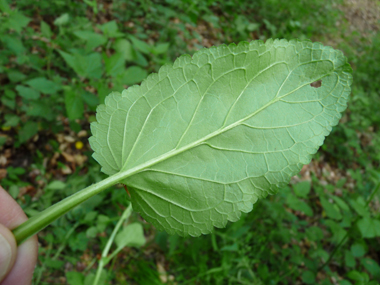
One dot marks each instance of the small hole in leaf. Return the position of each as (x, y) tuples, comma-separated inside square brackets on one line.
[(316, 84)]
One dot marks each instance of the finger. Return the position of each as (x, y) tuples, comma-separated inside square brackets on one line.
[(11, 216), (22, 271), (8, 251)]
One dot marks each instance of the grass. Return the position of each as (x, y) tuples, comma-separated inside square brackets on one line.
[(59, 59)]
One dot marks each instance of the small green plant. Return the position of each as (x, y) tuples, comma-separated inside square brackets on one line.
[(202, 140)]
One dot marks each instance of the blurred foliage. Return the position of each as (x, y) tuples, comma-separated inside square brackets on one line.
[(58, 61)]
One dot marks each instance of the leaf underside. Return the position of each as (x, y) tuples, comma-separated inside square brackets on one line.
[(201, 140)]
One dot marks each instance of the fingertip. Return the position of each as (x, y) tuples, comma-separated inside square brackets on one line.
[(22, 271), (8, 251), (24, 257)]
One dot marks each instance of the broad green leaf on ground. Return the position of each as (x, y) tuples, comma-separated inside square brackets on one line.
[(141, 45), (302, 189), (359, 206), (27, 93), (337, 231), (110, 29), (202, 140), (9, 99), (89, 66), (332, 210), (298, 205), (74, 104), (62, 20), (15, 76), (16, 21), (369, 227), (92, 39), (11, 120), (44, 85), (114, 64), (131, 235), (125, 48), (46, 30), (27, 131), (13, 44), (133, 75), (372, 266)]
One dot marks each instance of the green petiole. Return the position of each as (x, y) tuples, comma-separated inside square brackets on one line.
[(46, 217)]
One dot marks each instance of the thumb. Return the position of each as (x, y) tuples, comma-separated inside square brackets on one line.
[(8, 251)]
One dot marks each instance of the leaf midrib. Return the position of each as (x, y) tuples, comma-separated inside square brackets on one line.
[(125, 173), (195, 111)]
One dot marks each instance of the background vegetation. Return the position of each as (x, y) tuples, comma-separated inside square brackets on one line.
[(59, 59)]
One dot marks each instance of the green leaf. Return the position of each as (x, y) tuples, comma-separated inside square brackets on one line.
[(74, 278), (232, 247), (140, 59), (102, 222), (102, 90), (372, 266), (92, 39), (90, 278), (314, 233), (91, 232), (16, 76), (17, 21), (133, 75), (337, 231), (44, 85), (74, 104), (332, 210), (27, 131), (369, 227), (115, 64), (125, 48), (343, 205), (11, 120), (298, 205), (45, 30), (14, 44), (40, 108), (10, 103), (140, 45), (62, 20), (90, 99), (4, 7), (9, 99), (358, 276), (10, 94), (89, 66), (302, 189), (131, 235), (56, 185), (27, 93), (14, 190), (360, 207), (308, 277), (349, 259), (358, 250), (110, 30), (161, 48), (55, 264), (202, 140)]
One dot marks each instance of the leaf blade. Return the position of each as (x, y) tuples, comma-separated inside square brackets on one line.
[(202, 140)]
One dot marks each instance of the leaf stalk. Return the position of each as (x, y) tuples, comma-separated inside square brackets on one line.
[(46, 217)]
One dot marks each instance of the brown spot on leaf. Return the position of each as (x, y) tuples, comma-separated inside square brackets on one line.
[(316, 84)]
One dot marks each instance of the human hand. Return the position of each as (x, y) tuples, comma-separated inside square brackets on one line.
[(16, 263)]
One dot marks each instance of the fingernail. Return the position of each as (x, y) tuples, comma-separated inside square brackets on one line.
[(5, 256)]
